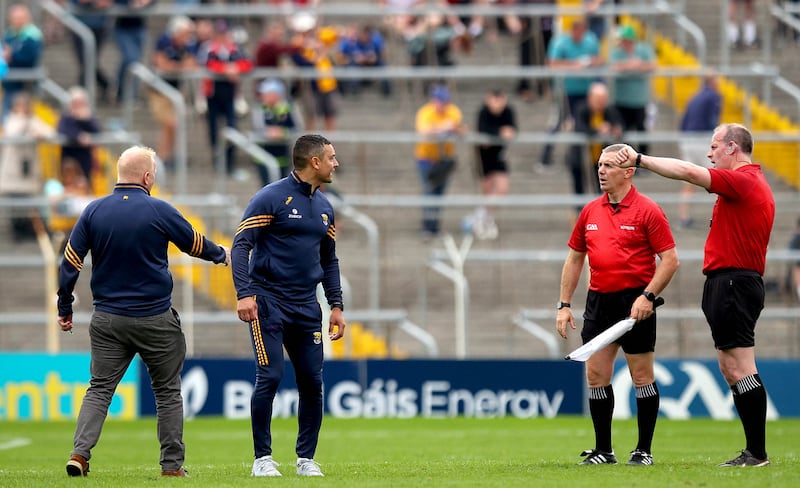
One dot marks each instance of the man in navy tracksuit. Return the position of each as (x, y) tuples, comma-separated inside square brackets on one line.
[(289, 227), (127, 233)]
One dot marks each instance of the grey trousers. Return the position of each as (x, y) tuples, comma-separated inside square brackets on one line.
[(115, 340)]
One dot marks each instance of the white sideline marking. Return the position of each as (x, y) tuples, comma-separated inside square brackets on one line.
[(14, 443)]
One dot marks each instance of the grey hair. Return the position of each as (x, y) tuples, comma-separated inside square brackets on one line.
[(179, 23)]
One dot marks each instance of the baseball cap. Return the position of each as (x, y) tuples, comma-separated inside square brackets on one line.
[(271, 85), (626, 32), (440, 93)]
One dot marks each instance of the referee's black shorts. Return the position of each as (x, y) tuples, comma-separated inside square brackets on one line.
[(732, 302), (606, 309)]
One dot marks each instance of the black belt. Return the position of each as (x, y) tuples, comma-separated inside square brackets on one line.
[(726, 271)]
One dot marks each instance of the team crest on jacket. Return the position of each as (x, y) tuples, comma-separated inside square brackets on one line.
[(317, 337), (324, 218)]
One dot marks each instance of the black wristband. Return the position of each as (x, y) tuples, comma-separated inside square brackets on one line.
[(638, 159)]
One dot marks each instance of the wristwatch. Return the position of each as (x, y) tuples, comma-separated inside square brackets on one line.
[(649, 295), (563, 305)]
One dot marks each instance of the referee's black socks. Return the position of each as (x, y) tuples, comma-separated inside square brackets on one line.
[(601, 406), (750, 398), (647, 403)]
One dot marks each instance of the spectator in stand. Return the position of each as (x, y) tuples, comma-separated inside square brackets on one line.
[(130, 34), (597, 23), (320, 52), (203, 32), (399, 19), (227, 62), (77, 125), (426, 33), (439, 121), (601, 123), (273, 46), (303, 32), (20, 173), (534, 37), (363, 47), (633, 61), (467, 28), (498, 120), (749, 36), (91, 13), (698, 123), (175, 53), (22, 48), (274, 119), (574, 51)]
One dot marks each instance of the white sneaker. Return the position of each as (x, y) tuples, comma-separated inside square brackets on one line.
[(308, 467), (265, 466), (485, 227), (200, 105), (240, 106)]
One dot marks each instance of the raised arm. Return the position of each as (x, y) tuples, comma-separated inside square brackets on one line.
[(672, 168)]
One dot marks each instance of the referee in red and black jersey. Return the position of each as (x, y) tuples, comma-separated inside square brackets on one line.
[(621, 232), (734, 262), (128, 233)]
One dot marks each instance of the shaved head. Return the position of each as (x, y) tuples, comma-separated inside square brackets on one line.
[(134, 163)]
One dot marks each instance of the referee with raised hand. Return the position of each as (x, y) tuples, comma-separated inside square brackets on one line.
[(128, 233), (734, 260)]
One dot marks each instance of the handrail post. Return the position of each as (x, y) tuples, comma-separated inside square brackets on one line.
[(51, 285)]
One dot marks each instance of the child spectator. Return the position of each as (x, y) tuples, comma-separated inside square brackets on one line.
[(274, 119)]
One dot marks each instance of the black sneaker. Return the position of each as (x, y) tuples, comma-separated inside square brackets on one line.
[(745, 459), (593, 456), (640, 458)]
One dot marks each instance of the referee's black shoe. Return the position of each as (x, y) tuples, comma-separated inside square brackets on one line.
[(746, 458), (593, 456), (640, 458)]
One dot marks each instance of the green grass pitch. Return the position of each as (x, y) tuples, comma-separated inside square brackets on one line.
[(502, 452)]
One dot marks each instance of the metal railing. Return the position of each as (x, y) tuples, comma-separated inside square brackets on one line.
[(525, 317)]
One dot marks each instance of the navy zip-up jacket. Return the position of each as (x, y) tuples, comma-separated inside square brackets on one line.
[(292, 235), (128, 233)]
